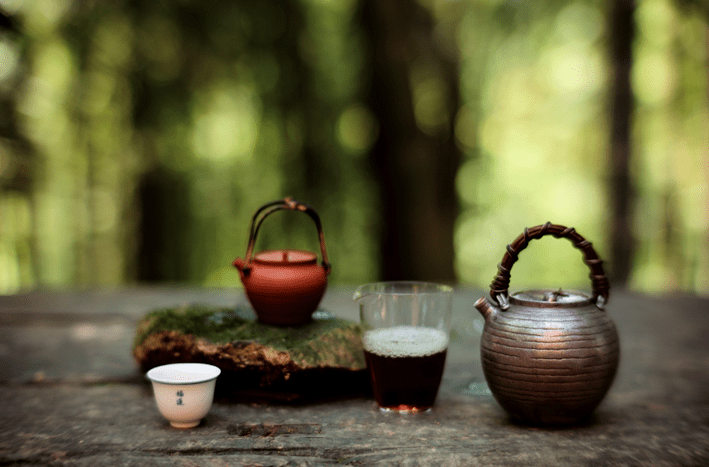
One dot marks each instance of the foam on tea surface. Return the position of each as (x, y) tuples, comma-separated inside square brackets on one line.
[(405, 341)]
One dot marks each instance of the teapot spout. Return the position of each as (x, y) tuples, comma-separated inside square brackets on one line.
[(241, 266), (485, 308)]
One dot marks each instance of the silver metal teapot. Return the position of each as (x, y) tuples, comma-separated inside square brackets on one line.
[(549, 356)]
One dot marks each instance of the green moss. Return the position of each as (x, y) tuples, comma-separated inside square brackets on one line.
[(325, 341)]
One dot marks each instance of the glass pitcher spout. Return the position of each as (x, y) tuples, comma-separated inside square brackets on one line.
[(368, 290)]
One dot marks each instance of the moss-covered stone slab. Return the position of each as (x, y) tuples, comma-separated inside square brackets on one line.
[(321, 359)]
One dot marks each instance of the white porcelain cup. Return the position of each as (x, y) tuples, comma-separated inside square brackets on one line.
[(184, 391)]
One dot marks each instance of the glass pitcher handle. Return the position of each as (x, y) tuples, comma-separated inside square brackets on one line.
[(600, 285)]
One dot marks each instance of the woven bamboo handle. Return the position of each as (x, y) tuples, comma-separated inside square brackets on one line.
[(599, 283)]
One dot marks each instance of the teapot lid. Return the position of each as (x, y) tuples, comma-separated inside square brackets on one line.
[(547, 297), (285, 257)]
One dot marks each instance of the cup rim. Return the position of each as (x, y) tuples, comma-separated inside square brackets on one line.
[(402, 288), (183, 373)]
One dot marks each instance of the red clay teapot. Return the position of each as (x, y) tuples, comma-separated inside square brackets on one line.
[(549, 356), (283, 286)]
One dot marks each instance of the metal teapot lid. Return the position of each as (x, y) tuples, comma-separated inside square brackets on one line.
[(285, 257), (551, 298)]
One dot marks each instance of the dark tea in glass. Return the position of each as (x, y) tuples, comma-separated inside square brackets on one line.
[(405, 364), (405, 341)]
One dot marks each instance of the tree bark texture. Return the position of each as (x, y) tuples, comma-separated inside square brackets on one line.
[(621, 188), (415, 170)]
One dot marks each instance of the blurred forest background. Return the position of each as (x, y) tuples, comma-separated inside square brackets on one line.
[(137, 138)]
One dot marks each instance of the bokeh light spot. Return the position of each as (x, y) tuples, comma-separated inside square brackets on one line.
[(357, 128)]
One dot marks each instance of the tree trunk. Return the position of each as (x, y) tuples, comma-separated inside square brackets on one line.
[(621, 190), (415, 170)]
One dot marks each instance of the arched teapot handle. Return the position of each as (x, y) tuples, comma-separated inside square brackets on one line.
[(270, 208), (599, 283)]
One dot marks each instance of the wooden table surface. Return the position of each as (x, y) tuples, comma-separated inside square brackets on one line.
[(72, 395)]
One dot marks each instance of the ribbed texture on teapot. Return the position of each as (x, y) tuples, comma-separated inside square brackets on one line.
[(550, 366), (549, 356)]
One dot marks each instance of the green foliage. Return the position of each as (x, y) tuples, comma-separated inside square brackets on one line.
[(222, 106), (535, 129)]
